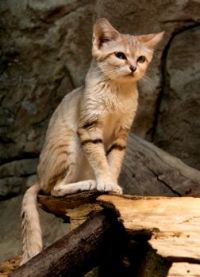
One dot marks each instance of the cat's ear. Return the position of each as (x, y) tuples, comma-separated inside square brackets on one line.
[(103, 32), (151, 40)]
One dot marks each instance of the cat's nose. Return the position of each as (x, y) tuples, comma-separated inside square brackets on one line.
[(133, 68)]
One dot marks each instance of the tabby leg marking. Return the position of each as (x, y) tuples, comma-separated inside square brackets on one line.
[(91, 136), (115, 152)]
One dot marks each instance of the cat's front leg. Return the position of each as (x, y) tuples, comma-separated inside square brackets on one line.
[(91, 136), (116, 151)]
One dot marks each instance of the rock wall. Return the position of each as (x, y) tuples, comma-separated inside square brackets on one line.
[(45, 53), (178, 117), (45, 48)]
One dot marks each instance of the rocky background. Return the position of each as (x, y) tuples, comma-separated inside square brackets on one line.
[(45, 49)]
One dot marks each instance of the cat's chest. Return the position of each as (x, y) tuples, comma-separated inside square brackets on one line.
[(119, 101), (116, 104), (112, 122), (118, 113)]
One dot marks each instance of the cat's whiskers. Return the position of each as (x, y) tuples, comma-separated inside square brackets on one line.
[(147, 81)]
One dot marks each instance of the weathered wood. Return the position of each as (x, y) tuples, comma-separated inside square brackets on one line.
[(73, 208), (115, 264), (148, 170), (170, 225), (174, 223), (156, 232), (184, 270), (79, 251), (8, 266), (59, 205)]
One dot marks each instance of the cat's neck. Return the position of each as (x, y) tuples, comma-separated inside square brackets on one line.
[(96, 78)]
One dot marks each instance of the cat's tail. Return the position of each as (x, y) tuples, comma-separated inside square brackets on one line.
[(31, 230)]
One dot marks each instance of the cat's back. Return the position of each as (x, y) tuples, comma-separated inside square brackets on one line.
[(67, 112)]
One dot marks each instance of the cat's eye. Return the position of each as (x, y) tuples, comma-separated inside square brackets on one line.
[(141, 59), (120, 55)]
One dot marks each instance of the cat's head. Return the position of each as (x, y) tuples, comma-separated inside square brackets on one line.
[(119, 56)]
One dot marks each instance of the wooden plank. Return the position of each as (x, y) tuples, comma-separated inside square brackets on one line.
[(174, 223)]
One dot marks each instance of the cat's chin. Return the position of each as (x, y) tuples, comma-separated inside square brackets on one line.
[(127, 78), (122, 78), (134, 77)]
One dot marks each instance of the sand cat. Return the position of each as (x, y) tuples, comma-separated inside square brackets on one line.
[(86, 136)]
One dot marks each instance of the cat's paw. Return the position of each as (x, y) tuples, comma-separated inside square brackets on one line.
[(58, 192), (109, 186), (64, 189)]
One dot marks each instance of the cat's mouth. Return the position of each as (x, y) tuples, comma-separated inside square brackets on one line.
[(131, 74)]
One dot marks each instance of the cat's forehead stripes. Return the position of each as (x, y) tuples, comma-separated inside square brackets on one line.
[(132, 46), (127, 44)]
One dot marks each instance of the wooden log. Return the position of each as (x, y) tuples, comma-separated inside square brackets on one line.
[(80, 250), (174, 223), (73, 208), (148, 170), (169, 225), (128, 262), (156, 232), (60, 205)]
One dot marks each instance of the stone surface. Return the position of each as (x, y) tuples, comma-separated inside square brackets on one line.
[(14, 176), (45, 53), (149, 170), (10, 186), (10, 230), (45, 49), (178, 129)]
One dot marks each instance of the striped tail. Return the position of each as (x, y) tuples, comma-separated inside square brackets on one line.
[(31, 230)]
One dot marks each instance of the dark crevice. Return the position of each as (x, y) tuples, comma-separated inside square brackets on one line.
[(25, 175), (5, 140), (24, 156), (164, 183), (180, 20), (43, 120), (164, 75), (70, 76), (169, 187), (9, 196)]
